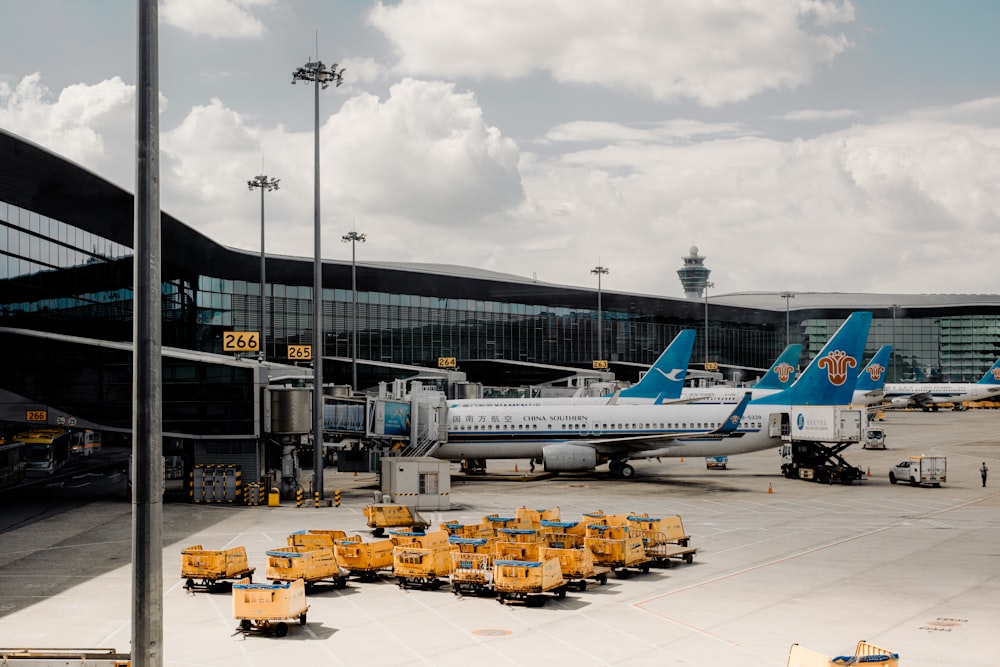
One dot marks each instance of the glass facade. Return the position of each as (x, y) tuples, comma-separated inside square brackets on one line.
[(62, 278)]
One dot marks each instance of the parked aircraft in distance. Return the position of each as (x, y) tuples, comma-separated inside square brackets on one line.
[(664, 380), (780, 375), (928, 395), (568, 438), (870, 387)]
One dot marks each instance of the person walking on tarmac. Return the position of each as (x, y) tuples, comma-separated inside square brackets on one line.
[(983, 471)]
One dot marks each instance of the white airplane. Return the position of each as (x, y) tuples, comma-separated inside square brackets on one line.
[(569, 438), (781, 375), (928, 395)]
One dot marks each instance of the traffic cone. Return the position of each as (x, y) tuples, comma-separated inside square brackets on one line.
[(682, 459), (869, 471), (515, 467), (355, 473), (769, 488)]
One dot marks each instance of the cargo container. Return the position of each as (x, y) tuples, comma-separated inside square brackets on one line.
[(472, 565), (528, 581), (266, 608), (575, 559), (423, 560), (381, 516), (364, 559), (311, 564), (204, 568), (315, 538), (617, 548)]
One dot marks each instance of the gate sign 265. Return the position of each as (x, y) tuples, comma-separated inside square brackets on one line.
[(240, 341)]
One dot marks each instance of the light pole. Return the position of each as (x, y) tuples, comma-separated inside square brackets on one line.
[(265, 184), (318, 75), (707, 285), (787, 296), (600, 271), (353, 238)]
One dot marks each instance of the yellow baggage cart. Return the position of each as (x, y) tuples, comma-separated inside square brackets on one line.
[(204, 568), (617, 548), (664, 539), (535, 517), (571, 527), (575, 559), (473, 530), (497, 522), (864, 654), (267, 608), (381, 516), (598, 517), (311, 564), (364, 559), (422, 560), (472, 565), (317, 539), (528, 581)]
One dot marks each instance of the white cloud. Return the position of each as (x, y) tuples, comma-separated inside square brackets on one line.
[(92, 124), (818, 114), (713, 53), (214, 18)]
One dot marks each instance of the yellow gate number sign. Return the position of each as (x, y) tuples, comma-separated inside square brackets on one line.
[(711, 366), (36, 416), (300, 352), (240, 341), (447, 362), (600, 364)]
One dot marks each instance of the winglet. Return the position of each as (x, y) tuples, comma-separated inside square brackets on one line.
[(666, 376), (993, 375), (831, 376), (733, 420), (872, 376), (781, 374)]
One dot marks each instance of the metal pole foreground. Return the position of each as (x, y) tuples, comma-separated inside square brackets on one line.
[(353, 237), (318, 74), (147, 422)]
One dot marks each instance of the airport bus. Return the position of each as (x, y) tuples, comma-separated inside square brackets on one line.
[(47, 450)]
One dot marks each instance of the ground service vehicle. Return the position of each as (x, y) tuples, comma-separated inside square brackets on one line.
[(84, 443), (364, 559), (818, 462), (716, 462), (920, 471), (381, 516), (204, 569), (874, 438), (48, 450), (265, 608)]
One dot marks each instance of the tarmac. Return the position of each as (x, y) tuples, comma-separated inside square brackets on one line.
[(912, 570)]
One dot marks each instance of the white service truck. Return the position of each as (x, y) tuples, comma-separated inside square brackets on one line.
[(920, 471)]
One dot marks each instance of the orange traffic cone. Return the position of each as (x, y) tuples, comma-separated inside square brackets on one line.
[(355, 473), (869, 471), (515, 467), (682, 459), (769, 488)]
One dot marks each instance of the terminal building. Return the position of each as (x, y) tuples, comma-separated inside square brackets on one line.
[(66, 272)]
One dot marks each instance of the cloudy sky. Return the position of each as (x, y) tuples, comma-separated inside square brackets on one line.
[(826, 145)]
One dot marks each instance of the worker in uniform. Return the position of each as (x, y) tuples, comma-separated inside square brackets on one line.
[(983, 471)]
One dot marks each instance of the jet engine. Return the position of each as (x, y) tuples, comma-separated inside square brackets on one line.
[(568, 458), (900, 402)]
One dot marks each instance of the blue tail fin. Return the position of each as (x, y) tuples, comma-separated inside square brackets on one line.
[(872, 376), (665, 378), (831, 376), (993, 375), (781, 374)]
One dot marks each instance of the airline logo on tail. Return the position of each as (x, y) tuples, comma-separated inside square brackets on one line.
[(836, 363), (874, 371), (996, 374), (784, 371), (674, 375)]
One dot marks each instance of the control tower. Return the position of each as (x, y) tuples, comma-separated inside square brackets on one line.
[(694, 275)]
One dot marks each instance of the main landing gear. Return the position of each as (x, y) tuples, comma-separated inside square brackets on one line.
[(620, 468)]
